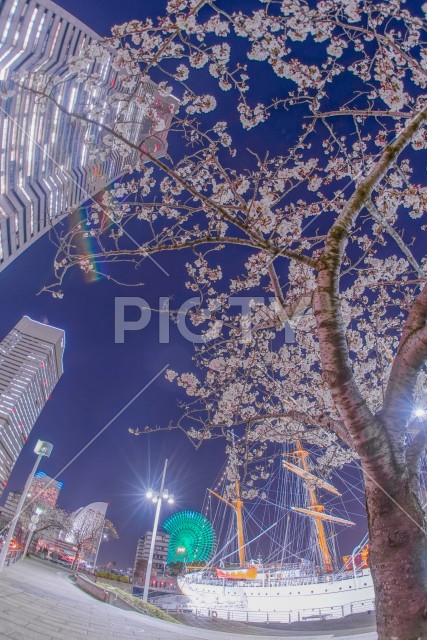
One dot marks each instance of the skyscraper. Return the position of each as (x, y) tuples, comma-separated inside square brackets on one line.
[(51, 163), (30, 366)]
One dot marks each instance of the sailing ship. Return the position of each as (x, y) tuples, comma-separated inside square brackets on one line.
[(302, 577)]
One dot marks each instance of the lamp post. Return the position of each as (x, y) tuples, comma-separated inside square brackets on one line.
[(43, 449), (101, 537), (157, 498), (33, 526)]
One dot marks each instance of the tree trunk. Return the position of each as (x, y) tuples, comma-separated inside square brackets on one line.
[(398, 561), (76, 561)]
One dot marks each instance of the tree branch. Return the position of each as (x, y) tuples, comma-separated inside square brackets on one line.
[(371, 440), (287, 311), (363, 112), (411, 356), (414, 456), (393, 233)]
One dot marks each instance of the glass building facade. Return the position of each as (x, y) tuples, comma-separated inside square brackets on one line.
[(50, 161), (30, 366)]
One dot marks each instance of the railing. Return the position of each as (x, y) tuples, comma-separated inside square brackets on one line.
[(316, 613), (276, 582), (13, 556)]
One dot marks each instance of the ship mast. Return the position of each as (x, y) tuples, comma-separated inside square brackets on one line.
[(237, 506), (238, 502), (315, 509)]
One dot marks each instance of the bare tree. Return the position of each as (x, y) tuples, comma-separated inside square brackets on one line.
[(86, 535)]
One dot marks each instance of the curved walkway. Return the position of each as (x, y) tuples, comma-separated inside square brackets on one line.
[(39, 602)]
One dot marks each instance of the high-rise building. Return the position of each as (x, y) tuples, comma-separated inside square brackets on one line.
[(159, 556), (50, 162), (44, 490), (30, 366)]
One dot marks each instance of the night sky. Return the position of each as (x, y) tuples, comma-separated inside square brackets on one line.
[(101, 377)]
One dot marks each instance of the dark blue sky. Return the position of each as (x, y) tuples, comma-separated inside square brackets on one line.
[(102, 16), (100, 377)]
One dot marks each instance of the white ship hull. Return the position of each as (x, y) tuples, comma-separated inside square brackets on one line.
[(296, 599)]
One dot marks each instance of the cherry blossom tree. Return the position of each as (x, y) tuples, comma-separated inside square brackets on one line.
[(51, 521), (313, 174), (86, 534)]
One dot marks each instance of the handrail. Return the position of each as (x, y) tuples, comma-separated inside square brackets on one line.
[(13, 556), (288, 616)]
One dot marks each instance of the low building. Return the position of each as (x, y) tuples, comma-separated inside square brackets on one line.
[(159, 557)]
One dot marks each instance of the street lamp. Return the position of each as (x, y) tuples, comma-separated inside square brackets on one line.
[(419, 412), (156, 497), (32, 527), (43, 449), (102, 537)]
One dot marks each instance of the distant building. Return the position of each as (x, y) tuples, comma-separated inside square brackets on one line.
[(30, 366), (8, 510), (159, 557), (83, 541), (44, 490), (46, 164), (86, 533)]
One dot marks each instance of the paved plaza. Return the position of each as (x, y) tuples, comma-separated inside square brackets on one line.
[(38, 601)]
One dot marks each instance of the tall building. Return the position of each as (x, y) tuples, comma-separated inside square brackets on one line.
[(48, 160), (142, 552), (44, 490), (30, 366)]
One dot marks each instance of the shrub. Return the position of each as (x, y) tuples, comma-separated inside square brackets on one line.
[(140, 605), (107, 575)]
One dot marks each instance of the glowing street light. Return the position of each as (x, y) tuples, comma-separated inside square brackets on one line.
[(419, 412), (156, 497)]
